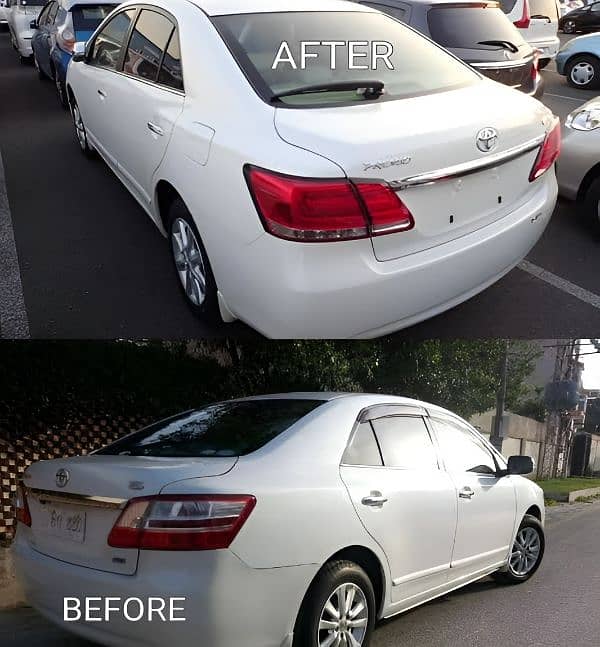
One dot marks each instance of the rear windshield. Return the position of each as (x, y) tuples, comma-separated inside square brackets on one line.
[(88, 17), (268, 47), (472, 27), (543, 9), (223, 429)]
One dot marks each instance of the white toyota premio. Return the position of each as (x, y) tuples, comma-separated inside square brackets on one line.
[(287, 520), (306, 201)]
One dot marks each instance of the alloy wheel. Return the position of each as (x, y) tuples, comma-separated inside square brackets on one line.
[(344, 618), (79, 127), (525, 552), (569, 27), (189, 262), (59, 90), (582, 73)]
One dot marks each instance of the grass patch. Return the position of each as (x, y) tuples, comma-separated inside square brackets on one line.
[(564, 486), (588, 499), (550, 502)]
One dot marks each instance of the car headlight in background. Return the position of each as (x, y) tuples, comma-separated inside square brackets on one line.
[(584, 118)]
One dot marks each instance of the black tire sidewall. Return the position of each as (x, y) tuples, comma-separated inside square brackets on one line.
[(331, 576), (208, 311), (594, 62)]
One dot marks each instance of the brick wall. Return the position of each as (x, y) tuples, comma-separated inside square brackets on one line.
[(24, 442)]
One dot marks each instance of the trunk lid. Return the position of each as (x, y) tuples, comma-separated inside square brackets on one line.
[(394, 140), (72, 522)]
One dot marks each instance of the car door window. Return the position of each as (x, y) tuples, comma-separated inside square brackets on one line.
[(461, 450), (363, 448), (147, 43), (170, 73), (108, 44), (405, 442)]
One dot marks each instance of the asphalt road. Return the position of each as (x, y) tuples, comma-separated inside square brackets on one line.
[(557, 607), (92, 265)]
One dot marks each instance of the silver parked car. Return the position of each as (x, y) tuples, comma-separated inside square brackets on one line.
[(578, 168), (284, 520)]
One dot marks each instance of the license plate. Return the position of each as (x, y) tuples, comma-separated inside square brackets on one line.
[(66, 524)]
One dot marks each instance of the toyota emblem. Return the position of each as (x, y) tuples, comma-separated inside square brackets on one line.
[(487, 138), (62, 477)]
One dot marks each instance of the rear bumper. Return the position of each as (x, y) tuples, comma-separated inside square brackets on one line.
[(226, 602), (548, 47), (341, 290)]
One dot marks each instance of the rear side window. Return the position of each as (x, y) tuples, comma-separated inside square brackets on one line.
[(405, 442), (222, 429), (88, 17), (363, 449), (107, 47), (146, 45), (472, 27)]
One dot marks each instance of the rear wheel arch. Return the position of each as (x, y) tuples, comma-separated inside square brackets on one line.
[(165, 194)]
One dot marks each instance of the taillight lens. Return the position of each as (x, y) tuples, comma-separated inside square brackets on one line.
[(65, 35), (525, 19), (22, 507), (181, 522), (548, 152), (316, 210)]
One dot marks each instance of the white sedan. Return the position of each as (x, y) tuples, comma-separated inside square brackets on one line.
[(275, 521), (304, 200)]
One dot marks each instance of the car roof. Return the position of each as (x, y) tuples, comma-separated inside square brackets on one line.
[(227, 7), (69, 4)]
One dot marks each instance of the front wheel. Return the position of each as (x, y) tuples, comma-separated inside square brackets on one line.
[(526, 553), (338, 610)]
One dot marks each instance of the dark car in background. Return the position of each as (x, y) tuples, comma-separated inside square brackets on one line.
[(581, 20), (477, 32)]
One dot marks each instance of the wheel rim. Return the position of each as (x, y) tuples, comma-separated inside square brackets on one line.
[(526, 551), (79, 128), (582, 73), (188, 261), (569, 27), (344, 618)]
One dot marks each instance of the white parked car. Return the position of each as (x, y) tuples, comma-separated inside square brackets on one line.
[(3, 12), (537, 20), (20, 14), (311, 202), (309, 515)]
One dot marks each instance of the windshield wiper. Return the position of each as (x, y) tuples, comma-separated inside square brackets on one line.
[(372, 89), (502, 43)]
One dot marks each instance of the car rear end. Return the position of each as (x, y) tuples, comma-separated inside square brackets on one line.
[(480, 34), (416, 216), (154, 516), (22, 13), (537, 20)]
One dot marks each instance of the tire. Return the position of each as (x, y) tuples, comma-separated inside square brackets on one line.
[(518, 571), (80, 131), (344, 576), (583, 72), (191, 264), (569, 27), (24, 60), (543, 62), (590, 206), (41, 75), (61, 91)]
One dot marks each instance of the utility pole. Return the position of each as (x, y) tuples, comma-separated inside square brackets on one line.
[(497, 434)]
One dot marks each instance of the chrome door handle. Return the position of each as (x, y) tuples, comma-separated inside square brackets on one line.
[(102, 94), (157, 130), (466, 493), (375, 499)]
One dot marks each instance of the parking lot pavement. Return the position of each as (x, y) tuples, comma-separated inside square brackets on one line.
[(91, 264), (557, 607)]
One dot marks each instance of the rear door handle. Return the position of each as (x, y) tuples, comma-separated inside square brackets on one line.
[(375, 499), (157, 130), (466, 492), (102, 93)]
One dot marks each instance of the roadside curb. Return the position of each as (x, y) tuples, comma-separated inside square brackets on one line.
[(11, 594), (571, 497)]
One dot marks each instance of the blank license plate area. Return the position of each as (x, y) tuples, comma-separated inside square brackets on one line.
[(65, 522)]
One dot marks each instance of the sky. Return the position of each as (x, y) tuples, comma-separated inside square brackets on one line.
[(591, 374)]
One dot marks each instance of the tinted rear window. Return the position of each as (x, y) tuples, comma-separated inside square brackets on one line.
[(222, 429), (255, 40), (88, 17), (469, 27)]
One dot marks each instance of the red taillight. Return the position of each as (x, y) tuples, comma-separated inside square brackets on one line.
[(308, 210), (525, 19), (535, 67), (548, 152), (22, 507), (181, 522)]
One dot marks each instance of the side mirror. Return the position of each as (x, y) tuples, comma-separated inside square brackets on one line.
[(33, 24), (79, 51), (520, 465)]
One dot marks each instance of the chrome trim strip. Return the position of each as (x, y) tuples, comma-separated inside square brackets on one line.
[(467, 168), (48, 496), (419, 574), (501, 65)]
